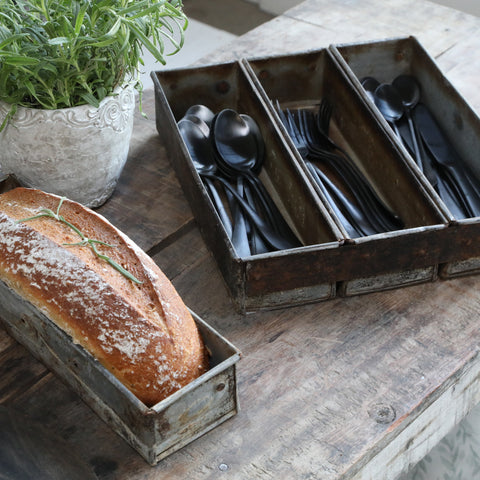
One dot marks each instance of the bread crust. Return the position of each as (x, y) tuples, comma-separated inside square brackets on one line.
[(142, 333)]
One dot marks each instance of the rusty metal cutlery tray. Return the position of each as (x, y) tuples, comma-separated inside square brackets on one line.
[(329, 263)]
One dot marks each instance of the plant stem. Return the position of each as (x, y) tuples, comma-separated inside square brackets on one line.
[(84, 241)]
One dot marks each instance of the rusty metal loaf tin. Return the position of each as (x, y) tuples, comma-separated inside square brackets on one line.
[(459, 251), (373, 262), (267, 280), (329, 262), (155, 432)]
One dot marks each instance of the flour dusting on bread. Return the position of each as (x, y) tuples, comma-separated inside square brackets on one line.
[(143, 334)]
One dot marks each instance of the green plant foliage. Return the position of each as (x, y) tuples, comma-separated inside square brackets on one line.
[(63, 53)]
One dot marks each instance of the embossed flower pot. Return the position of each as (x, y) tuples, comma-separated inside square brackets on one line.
[(76, 152)]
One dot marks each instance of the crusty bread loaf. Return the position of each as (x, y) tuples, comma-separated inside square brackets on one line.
[(142, 333)]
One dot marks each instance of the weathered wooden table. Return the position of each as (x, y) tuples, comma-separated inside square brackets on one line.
[(346, 389)]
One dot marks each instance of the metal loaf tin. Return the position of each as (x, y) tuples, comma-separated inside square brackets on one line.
[(459, 251), (329, 263), (385, 260), (154, 432), (269, 280)]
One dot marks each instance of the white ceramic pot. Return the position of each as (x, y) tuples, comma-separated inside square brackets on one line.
[(75, 152)]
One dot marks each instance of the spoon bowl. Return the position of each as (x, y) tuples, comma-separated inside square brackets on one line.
[(389, 102), (255, 130), (234, 142), (408, 89), (193, 133), (202, 112), (370, 84), (199, 122)]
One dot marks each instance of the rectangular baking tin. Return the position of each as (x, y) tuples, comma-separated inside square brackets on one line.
[(154, 432), (302, 80), (385, 60), (259, 281)]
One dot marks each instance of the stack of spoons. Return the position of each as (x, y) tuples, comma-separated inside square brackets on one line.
[(418, 130), (227, 150)]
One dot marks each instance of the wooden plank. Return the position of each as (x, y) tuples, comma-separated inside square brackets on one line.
[(315, 24), (437, 27), (18, 371), (425, 432), (6, 341), (461, 72), (56, 407), (327, 375), (322, 370), (329, 391)]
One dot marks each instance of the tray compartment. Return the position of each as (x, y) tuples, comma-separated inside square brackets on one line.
[(302, 80), (228, 86), (154, 432), (387, 59)]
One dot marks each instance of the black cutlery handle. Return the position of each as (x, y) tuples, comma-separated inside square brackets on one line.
[(269, 235), (220, 207), (445, 155), (239, 234)]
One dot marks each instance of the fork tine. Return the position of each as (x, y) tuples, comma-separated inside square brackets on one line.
[(296, 133)]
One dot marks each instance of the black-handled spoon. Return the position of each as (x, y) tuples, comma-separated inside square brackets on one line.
[(193, 136), (203, 158), (390, 105)]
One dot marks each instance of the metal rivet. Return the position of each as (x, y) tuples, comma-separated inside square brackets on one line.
[(223, 467), (264, 74), (223, 87), (220, 387)]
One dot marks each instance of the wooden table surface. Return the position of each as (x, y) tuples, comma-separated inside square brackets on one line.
[(356, 388)]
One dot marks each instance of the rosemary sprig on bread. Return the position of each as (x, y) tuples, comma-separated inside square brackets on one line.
[(84, 241)]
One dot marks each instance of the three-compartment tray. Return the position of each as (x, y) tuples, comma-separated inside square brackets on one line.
[(328, 263)]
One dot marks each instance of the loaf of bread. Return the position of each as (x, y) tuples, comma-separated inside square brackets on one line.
[(133, 322)]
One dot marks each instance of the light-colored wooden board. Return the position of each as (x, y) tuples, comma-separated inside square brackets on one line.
[(347, 389)]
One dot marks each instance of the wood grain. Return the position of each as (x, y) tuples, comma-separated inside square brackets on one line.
[(347, 389)]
